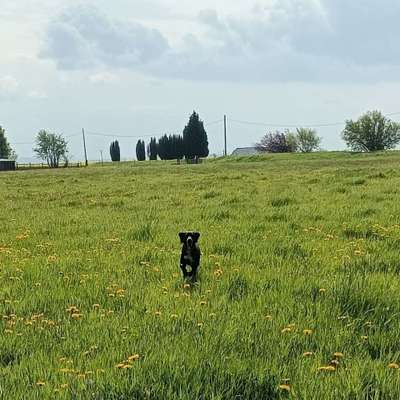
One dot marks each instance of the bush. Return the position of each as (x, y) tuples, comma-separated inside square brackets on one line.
[(278, 142)]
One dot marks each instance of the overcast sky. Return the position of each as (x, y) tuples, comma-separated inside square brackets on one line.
[(140, 67)]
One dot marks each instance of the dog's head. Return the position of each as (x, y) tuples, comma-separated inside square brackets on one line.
[(189, 238)]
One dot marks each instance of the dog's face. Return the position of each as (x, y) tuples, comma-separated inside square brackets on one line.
[(189, 238)]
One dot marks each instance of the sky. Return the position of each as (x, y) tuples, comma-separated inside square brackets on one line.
[(131, 69)]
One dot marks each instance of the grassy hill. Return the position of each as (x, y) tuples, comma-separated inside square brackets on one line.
[(298, 294)]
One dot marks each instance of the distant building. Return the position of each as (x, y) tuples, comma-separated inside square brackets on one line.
[(7, 165), (246, 151)]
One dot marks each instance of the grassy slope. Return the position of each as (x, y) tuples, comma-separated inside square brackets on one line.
[(275, 231)]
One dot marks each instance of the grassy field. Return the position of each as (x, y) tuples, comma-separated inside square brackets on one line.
[(298, 297)]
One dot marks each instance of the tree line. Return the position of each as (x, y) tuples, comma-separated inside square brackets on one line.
[(192, 144), (371, 132)]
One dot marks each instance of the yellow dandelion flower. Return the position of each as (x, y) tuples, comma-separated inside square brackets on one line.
[(134, 357), (286, 330), (394, 366), (127, 366), (157, 313), (76, 316), (308, 354), (40, 383), (307, 331), (186, 286), (364, 338), (329, 368), (203, 303), (120, 365), (322, 290), (285, 387), (218, 273)]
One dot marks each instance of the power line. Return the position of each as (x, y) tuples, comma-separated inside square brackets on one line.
[(90, 133), (285, 125), (320, 125), (214, 122)]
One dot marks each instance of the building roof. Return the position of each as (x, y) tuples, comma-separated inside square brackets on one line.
[(245, 151)]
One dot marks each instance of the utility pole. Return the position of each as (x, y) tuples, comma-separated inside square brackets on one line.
[(225, 147), (84, 146), (101, 155)]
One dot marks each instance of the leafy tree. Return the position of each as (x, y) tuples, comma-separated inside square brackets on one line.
[(307, 140), (5, 148), (292, 141), (115, 151), (372, 132), (278, 142), (51, 147), (141, 150), (152, 151), (195, 141)]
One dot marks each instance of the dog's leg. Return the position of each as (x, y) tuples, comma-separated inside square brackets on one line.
[(184, 270), (194, 273)]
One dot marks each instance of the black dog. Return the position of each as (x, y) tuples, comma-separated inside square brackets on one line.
[(190, 254)]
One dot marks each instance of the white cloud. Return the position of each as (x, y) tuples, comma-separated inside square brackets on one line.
[(82, 38), (285, 40)]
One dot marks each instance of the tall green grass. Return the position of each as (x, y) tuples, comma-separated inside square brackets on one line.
[(300, 261)]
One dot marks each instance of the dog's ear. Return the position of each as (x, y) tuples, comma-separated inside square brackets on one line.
[(196, 236), (182, 236)]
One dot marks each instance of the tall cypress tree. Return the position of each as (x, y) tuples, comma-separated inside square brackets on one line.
[(152, 151), (195, 139), (115, 152), (170, 147), (5, 149), (141, 150)]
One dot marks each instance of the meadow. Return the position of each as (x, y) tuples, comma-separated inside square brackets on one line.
[(298, 294)]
